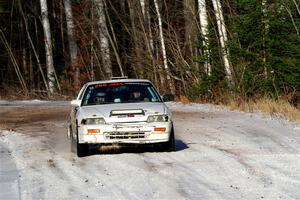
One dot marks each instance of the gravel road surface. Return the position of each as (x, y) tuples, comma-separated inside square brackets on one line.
[(220, 154)]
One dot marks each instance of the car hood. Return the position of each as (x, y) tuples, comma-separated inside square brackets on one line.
[(104, 110)]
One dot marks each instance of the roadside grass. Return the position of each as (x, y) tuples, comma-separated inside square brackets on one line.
[(13, 93), (281, 108)]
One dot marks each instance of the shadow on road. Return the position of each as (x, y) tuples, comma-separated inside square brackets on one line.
[(116, 149), (180, 145)]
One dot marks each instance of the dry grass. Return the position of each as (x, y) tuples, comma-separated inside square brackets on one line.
[(13, 93), (280, 108), (183, 99)]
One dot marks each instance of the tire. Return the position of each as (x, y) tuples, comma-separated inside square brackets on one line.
[(170, 145), (80, 149), (72, 141)]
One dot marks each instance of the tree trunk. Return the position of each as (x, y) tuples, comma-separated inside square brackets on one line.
[(265, 33), (72, 41), (150, 45), (113, 41), (142, 2), (204, 31), (32, 45), (48, 46), (136, 52), (104, 44), (14, 62), (145, 22), (31, 73), (223, 38), (189, 10), (163, 48)]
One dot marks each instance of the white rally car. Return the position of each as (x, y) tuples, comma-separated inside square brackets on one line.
[(123, 111)]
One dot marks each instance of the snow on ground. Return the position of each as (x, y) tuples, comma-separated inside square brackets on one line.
[(34, 102), (220, 155)]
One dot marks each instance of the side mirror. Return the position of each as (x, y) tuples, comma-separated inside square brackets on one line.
[(75, 102), (168, 97)]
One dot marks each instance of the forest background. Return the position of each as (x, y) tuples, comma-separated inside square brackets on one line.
[(200, 50)]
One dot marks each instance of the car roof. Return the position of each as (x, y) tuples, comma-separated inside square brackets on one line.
[(118, 80)]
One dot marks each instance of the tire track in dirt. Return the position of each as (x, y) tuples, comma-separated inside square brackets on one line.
[(220, 155)]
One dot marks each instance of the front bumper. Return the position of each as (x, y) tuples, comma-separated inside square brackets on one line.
[(126, 133)]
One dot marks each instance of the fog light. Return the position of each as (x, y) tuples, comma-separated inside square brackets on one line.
[(93, 131), (160, 129)]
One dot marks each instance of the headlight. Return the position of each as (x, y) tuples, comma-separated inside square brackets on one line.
[(158, 118), (93, 121)]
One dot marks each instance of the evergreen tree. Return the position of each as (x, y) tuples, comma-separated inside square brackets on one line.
[(265, 48)]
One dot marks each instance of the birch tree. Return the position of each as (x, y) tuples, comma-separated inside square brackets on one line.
[(148, 20), (150, 40), (72, 41), (145, 22), (163, 48), (142, 2), (223, 38), (189, 9), (103, 38), (137, 52), (265, 22), (204, 31), (48, 46)]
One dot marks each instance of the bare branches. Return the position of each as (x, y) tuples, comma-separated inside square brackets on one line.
[(292, 18), (33, 47), (14, 62), (48, 46), (163, 48)]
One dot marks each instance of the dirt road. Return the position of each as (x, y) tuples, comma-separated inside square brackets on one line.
[(219, 154)]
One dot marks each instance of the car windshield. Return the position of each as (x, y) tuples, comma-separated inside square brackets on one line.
[(120, 92)]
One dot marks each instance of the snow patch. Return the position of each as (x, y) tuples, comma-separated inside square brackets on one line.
[(194, 107), (34, 102)]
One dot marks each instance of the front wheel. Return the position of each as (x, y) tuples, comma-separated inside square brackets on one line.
[(80, 149), (170, 145)]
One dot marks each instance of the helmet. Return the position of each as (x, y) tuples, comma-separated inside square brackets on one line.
[(100, 94)]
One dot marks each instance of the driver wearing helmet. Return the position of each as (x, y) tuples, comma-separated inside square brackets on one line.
[(100, 98), (137, 95)]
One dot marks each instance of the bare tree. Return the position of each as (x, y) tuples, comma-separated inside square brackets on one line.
[(265, 22), (142, 2), (163, 48), (223, 38), (103, 38), (113, 41), (14, 62), (189, 9), (72, 41), (48, 45), (204, 31), (288, 9), (34, 49), (149, 37), (297, 6)]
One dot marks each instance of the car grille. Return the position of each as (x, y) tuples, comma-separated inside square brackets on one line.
[(124, 135)]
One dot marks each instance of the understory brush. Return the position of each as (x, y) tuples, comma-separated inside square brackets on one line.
[(273, 107), (15, 93)]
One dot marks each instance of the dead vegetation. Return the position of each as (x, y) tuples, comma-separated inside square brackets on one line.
[(281, 107), (273, 107), (15, 93)]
